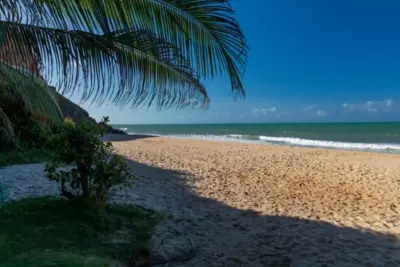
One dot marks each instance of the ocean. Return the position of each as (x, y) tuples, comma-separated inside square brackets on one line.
[(380, 137)]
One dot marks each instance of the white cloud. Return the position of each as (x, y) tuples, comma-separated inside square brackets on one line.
[(263, 111), (371, 106), (309, 108), (389, 103), (321, 113)]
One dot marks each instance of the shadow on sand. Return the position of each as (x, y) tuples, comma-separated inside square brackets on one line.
[(124, 137), (221, 235)]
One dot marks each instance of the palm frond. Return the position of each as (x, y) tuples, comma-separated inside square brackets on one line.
[(144, 68), (36, 95), (205, 31)]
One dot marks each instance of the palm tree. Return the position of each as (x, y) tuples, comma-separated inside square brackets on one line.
[(127, 52)]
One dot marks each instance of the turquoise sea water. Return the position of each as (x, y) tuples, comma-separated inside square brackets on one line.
[(384, 137)]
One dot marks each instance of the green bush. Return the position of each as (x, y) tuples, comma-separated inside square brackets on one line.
[(95, 168), (25, 130)]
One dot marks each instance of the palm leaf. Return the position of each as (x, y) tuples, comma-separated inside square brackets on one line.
[(204, 31), (143, 67), (35, 94)]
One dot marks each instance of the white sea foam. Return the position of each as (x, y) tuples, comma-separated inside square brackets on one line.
[(151, 134), (274, 140), (211, 137), (234, 135), (330, 144)]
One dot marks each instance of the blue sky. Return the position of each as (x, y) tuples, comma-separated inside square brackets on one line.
[(310, 60)]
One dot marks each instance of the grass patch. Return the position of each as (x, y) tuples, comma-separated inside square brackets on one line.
[(25, 157), (56, 232)]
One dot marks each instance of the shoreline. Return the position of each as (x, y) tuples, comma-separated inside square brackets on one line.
[(222, 139)]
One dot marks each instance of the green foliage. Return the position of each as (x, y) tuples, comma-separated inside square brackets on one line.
[(96, 169), (28, 144), (31, 133), (55, 232), (24, 130)]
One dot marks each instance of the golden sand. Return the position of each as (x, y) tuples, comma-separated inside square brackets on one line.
[(358, 190)]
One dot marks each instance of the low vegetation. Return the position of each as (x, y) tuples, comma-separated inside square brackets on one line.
[(56, 232), (26, 143), (95, 169)]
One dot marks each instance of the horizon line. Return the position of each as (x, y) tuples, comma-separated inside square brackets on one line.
[(212, 123)]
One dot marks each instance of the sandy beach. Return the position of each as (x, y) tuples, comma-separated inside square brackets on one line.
[(260, 205), (236, 204)]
